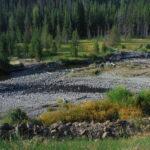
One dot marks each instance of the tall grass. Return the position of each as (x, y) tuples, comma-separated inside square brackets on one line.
[(98, 111), (121, 95), (143, 101), (134, 143)]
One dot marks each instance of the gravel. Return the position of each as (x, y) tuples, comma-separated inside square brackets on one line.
[(33, 90)]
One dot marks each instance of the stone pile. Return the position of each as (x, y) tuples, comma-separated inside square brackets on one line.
[(60, 130)]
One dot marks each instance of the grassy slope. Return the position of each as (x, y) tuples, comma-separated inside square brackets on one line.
[(134, 143)]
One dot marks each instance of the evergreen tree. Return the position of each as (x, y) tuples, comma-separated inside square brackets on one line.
[(26, 45), (36, 16), (114, 37), (3, 51), (58, 39), (104, 47), (91, 18), (35, 46), (45, 34), (54, 48), (11, 42), (18, 36), (74, 43), (49, 41), (96, 47)]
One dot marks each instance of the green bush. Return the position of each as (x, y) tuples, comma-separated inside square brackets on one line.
[(141, 45), (104, 47), (121, 96), (143, 101), (17, 116), (123, 46), (147, 46)]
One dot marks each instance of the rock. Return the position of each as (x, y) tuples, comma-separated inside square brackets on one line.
[(82, 132), (76, 129), (102, 65), (105, 135), (6, 126), (30, 125), (55, 125), (21, 127)]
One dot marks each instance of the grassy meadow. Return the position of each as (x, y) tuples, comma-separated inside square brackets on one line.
[(86, 50), (134, 143)]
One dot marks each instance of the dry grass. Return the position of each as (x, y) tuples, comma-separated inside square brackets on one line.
[(98, 111), (130, 112), (89, 111)]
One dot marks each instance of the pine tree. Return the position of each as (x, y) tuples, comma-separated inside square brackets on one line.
[(114, 37), (54, 48), (18, 36), (74, 43), (26, 45), (64, 36), (36, 16), (3, 51), (44, 34), (35, 46), (96, 47), (104, 47), (11, 42), (58, 39)]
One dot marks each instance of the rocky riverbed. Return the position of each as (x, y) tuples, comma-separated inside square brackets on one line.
[(34, 89)]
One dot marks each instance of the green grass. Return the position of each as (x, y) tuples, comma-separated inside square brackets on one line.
[(120, 95), (134, 143), (134, 45), (86, 50)]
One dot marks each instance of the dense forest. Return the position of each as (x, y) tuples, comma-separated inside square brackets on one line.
[(40, 21)]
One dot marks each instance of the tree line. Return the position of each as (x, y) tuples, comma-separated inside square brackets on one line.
[(47, 23)]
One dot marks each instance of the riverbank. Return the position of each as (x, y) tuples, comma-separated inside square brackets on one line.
[(39, 86)]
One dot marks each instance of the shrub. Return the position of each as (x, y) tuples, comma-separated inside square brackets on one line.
[(147, 46), (67, 106), (104, 47), (114, 37), (96, 47), (143, 101), (51, 109), (51, 117), (17, 116), (130, 112), (121, 96), (123, 46), (141, 45), (89, 111)]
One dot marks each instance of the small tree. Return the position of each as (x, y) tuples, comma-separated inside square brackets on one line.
[(11, 42), (35, 46), (54, 48), (17, 116), (46, 38), (104, 47), (114, 37), (58, 39), (96, 47), (26, 41), (49, 41), (3, 51), (74, 44), (64, 36)]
